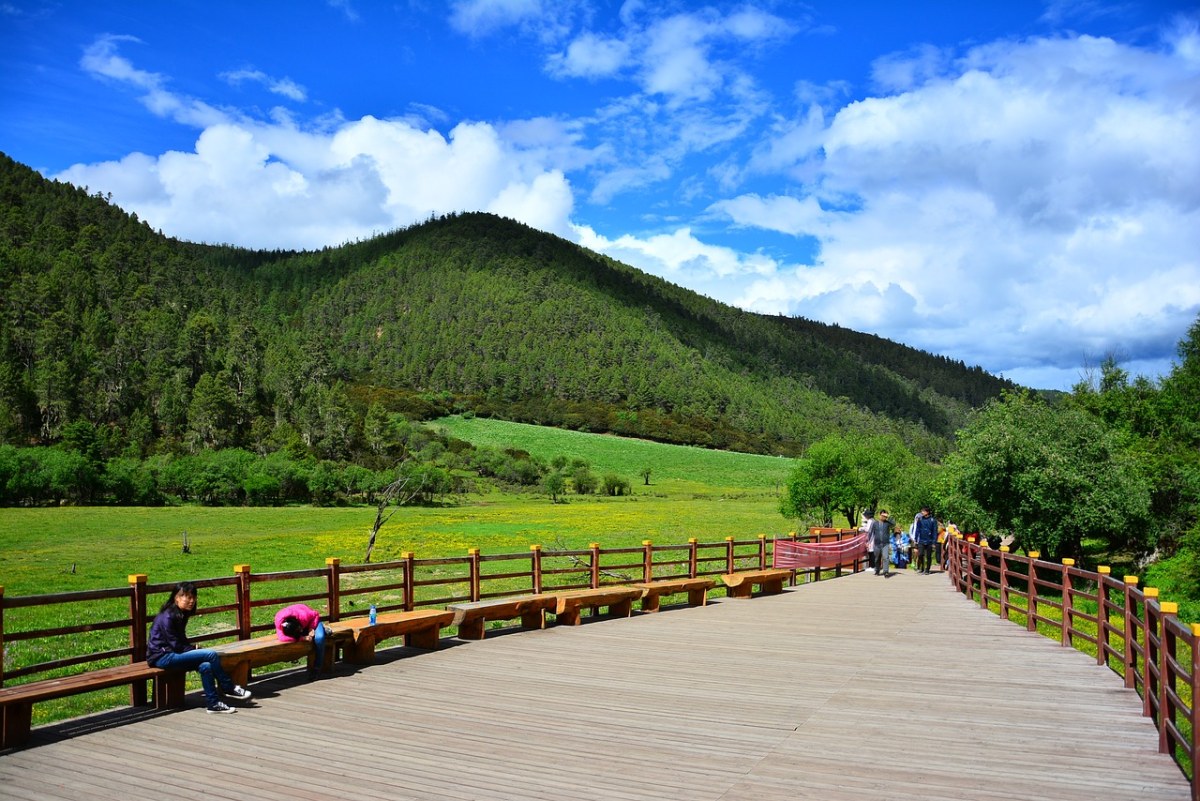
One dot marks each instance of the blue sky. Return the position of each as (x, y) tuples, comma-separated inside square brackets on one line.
[(1013, 184)]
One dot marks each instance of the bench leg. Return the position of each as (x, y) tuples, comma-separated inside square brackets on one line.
[(361, 651), (169, 689), (534, 620), (621, 608), (698, 597), (772, 587), (426, 638), (471, 629), (741, 591), (651, 602), (18, 718), (569, 617), (240, 673)]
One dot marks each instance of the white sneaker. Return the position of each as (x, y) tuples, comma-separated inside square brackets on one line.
[(221, 708), (240, 693)]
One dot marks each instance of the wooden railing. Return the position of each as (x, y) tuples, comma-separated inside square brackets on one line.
[(1129, 629), (54, 634)]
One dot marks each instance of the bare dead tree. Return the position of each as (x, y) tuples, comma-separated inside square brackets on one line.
[(560, 549), (395, 495)]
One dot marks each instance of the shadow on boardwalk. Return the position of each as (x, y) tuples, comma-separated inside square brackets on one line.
[(849, 689)]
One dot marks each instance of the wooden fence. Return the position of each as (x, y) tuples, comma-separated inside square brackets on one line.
[(1138, 636), (55, 634)]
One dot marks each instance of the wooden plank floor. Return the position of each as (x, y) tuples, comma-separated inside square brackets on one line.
[(859, 688)]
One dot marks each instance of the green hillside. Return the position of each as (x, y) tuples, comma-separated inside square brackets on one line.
[(167, 346)]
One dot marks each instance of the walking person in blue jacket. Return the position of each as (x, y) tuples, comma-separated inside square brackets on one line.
[(881, 533), (169, 648), (926, 535)]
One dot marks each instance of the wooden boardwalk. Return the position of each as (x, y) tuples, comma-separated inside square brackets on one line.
[(859, 688)]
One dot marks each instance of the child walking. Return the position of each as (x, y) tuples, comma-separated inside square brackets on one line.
[(168, 647)]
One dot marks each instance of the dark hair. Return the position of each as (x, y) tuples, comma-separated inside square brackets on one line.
[(291, 628), (186, 588)]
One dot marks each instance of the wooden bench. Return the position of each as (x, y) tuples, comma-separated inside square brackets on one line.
[(238, 658), (470, 617), (421, 628), (16, 702), (741, 585), (696, 589), (570, 603)]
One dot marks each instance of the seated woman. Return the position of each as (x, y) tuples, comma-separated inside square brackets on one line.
[(901, 549)]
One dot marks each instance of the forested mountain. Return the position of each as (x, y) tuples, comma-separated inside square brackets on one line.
[(168, 346)]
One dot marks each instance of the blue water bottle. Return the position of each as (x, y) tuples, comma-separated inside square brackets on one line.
[(372, 614)]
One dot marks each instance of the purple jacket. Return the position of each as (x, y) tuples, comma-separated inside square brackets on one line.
[(168, 635)]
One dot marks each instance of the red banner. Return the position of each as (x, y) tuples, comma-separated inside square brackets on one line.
[(820, 554)]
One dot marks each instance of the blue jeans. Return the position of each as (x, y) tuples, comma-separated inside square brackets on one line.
[(207, 663), (319, 646)]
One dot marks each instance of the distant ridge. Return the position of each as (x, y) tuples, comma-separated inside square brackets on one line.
[(169, 344)]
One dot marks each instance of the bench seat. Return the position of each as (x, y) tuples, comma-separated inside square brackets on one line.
[(569, 604), (696, 589), (16, 702), (741, 585), (421, 628), (470, 617), (240, 657)]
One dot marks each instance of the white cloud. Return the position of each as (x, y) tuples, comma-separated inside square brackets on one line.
[(1039, 203), (280, 86), (590, 56), (547, 20)]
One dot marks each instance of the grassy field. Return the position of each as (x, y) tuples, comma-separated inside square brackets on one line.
[(692, 493)]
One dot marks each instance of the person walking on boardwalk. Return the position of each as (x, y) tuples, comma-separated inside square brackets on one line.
[(169, 648), (302, 622), (926, 536), (881, 534)]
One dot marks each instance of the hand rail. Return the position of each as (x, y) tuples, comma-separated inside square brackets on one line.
[(1138, 636)]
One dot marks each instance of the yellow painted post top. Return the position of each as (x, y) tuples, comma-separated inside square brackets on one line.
[(1131, 580), (1035, 554), (535, 547), (958, 535), (594, 545), (406, 555), (1104, 570), (691, 540), (333, 560), (1150, 592), (472, 552), (1169, 608), (1068, 562), (645, 542), (1195, 626), (241, 568), (1003, 549), (134, 578), (729, 539), (762, 536)]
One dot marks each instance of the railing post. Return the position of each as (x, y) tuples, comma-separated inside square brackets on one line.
[(762, 551), (1130, 659), (729, 554), (1195, 721), (1102, 605), (333, 577), (1003, 580), (595, 577), (137, 633), (473, 565), (693, 557), (1031, 587), (1166, 676), (1149, 653), (1068, 604), (410, 586), (535, 567), (983, 596), (648, 561), (243, 600)]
